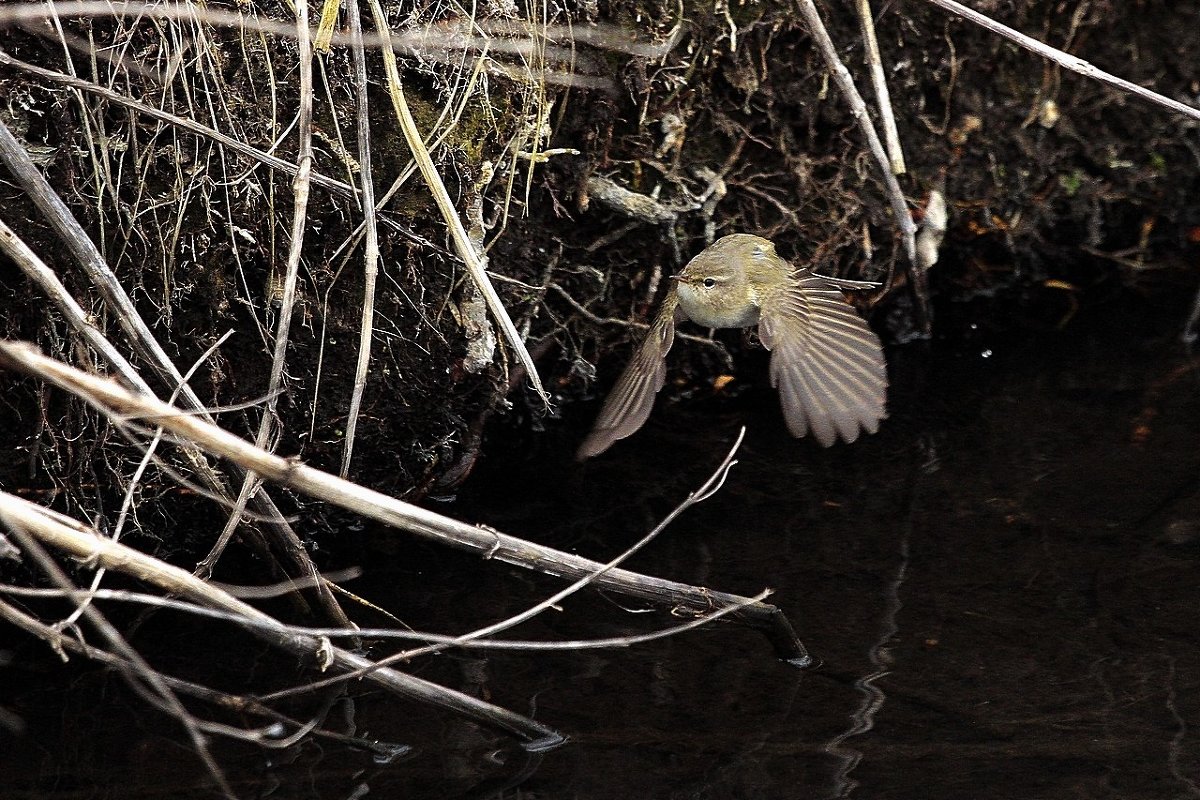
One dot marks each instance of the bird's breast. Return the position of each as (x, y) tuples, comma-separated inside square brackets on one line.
[(702, 310)]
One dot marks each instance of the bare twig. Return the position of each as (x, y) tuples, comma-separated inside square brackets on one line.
[(1066, 60), (472, 310), (447, 641), (714, 483), (300, 189), (115, 400)]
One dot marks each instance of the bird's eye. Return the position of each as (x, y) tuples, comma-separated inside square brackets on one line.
[(709, 283)]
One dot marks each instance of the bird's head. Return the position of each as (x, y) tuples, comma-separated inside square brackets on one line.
[(716, 287)]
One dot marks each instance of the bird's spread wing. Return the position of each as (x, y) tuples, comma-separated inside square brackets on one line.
[(825, 361), (629, 403)]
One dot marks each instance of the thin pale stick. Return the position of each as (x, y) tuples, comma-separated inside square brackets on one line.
[(458, 642), (371, 251), (300, 194), (891, 136), (710, 487)]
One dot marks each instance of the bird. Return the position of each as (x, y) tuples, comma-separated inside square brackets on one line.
[(826, 362)]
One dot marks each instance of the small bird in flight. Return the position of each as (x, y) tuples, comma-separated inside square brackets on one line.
[(826, 363)]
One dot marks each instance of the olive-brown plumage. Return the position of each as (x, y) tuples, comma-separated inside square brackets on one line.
[(826, 363)]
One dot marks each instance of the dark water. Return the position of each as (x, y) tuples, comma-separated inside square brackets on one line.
[(1001, 588)]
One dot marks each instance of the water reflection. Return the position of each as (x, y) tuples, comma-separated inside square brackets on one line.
[(862, 720), (999, 587)]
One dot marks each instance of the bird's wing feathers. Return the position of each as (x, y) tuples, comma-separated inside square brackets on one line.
[(629, 403), (825, 361)]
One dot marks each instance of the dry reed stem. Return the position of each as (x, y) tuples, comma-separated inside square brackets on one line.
[(115, 400), (328, 23)]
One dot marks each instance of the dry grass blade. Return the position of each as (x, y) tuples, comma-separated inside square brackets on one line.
[(474, 261)]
